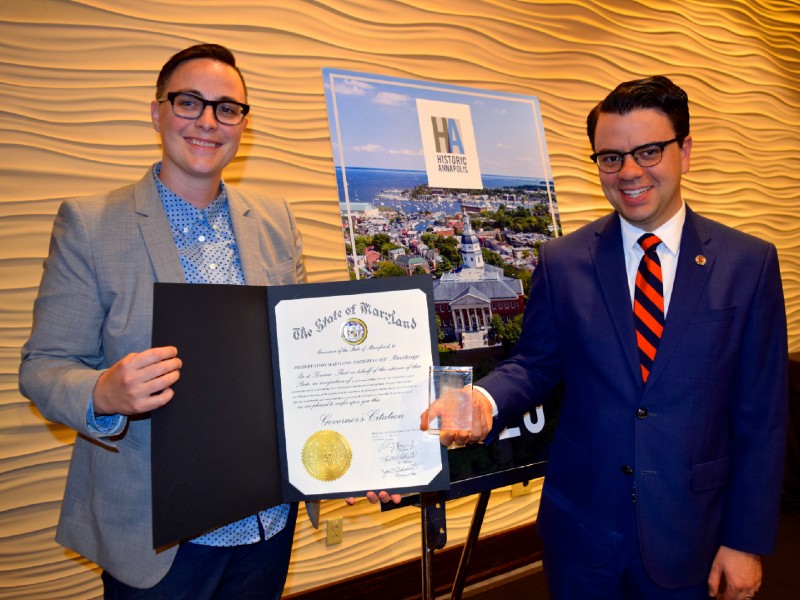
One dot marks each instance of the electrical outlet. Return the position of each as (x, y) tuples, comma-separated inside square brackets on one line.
[(520, 489), (334, 531)]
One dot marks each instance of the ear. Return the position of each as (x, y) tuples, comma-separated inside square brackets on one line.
[(154, 116), (686, 152)]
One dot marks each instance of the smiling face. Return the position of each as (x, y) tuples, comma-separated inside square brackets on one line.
[(195, 151), (646, 197)]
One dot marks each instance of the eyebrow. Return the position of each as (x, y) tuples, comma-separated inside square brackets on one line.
[(199, 94), (615, 151)]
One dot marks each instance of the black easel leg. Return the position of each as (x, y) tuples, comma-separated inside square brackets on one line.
[(434, 536), (469, 545)]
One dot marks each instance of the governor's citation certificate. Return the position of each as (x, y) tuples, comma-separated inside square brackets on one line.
[(352, 376)]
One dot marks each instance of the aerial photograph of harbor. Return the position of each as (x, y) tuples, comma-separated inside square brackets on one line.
[(479, 242)]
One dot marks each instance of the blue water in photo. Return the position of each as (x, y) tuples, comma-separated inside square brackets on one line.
[(366, 185)]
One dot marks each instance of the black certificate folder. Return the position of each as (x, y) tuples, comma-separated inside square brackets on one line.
[(214, 450), (219, 447)]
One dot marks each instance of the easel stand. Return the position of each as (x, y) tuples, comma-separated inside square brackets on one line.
[(434, 523)]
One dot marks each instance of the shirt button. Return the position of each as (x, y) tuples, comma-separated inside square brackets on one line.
[(201, 238), (185, 230), (212, 266), (627, 469), (641, 413)]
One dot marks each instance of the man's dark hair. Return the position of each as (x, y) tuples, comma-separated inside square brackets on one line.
[(212, 51), (656, 92)]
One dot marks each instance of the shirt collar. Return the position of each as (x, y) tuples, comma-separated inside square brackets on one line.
[(669, 233), (174, 204)]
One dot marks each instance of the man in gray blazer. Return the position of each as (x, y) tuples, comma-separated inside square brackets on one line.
[(89, 364)]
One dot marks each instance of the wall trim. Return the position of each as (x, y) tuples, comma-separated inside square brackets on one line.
[(493, 555)]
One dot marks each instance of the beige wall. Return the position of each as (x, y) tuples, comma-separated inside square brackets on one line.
[(76, 79)]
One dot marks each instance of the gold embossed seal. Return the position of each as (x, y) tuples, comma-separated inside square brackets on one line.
[(354, 331), (327, 455)]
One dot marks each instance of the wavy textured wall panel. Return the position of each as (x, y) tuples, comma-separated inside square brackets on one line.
[(77, 78)]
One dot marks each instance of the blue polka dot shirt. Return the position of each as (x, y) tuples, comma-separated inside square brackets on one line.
[(208, 254)]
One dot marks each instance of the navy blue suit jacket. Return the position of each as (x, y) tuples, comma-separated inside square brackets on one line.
[(702, 441)]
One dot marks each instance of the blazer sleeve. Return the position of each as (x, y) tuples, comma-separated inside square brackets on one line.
[(759, 418), (63, 358), (533, 368)]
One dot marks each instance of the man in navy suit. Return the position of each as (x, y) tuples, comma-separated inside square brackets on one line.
[(663, 481)]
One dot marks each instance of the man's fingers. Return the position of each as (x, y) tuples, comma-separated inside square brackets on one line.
[(155, 365), (479, 428), (383, 496), (478, 424), (446, 438), (151, 356), (139, 368), (158, 400), (424, 420), (138, 383), (162, 382)]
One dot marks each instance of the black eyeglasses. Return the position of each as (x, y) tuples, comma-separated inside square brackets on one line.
[(191, 106), (648, 155)]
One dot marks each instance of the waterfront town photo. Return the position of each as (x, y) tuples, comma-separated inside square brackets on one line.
[(481, 247)]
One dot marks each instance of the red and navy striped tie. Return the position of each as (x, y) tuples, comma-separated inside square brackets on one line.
[(648, 303)]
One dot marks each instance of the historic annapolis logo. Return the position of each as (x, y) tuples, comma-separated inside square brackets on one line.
[(448, 143), (354, 331)]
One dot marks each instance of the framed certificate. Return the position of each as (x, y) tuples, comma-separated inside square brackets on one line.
[(289, 393), (350, 365)]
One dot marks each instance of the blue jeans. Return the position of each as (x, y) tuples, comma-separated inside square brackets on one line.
[(254, 571)]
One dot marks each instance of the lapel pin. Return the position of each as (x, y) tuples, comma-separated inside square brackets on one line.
[(700, 259)]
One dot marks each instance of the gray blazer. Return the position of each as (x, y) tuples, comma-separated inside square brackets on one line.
[(94, 307)]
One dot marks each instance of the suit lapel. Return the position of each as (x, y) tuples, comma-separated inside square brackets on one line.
[(248, 241), (690, 280), (156, 233), (609, 264), (157, 236)]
